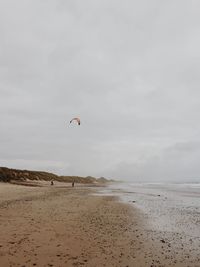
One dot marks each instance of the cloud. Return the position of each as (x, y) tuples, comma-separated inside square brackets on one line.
[(130, 71), (177, 163)]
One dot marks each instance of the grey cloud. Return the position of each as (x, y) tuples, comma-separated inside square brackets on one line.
[(177, 163), (129, 70)]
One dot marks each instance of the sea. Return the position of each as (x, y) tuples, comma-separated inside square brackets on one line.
[(165, 207)]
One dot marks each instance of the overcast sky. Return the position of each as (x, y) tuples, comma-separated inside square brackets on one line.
[(129, 69)]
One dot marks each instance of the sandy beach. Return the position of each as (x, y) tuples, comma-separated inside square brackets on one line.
[(64, 226)]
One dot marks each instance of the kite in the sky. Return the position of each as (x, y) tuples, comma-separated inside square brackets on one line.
[(77, 120)]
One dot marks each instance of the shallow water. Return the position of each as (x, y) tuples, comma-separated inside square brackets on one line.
[(165, 207)]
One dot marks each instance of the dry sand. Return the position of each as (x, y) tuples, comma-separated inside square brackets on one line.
[(62, 226)]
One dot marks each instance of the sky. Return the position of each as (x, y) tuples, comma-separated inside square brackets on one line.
[(129, 69)]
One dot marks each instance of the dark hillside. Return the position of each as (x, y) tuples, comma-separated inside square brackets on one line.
[(6, 175)]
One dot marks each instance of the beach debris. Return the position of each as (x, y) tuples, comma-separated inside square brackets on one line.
[(77, 120), (163, 241)]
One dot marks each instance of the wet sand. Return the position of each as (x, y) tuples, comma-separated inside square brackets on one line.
[(171, 220), (64, 226)]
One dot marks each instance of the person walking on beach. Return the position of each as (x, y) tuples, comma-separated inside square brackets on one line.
[(73, 183)]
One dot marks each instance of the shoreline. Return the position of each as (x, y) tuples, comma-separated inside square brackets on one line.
[(170, 216), (65, 226)]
